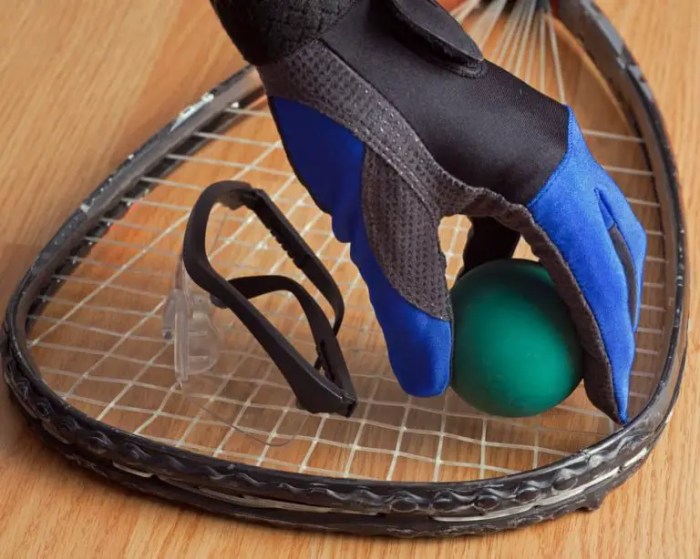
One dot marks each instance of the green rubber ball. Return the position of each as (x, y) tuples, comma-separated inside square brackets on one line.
[(516, 351)]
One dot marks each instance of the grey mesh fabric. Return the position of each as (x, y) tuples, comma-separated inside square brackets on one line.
[(403, 235)]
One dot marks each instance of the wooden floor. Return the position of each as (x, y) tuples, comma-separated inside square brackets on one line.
[(84, 83)]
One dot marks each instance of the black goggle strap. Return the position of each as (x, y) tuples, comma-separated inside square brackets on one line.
[(333, 393)]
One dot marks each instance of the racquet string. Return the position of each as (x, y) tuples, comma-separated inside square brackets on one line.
[(97, 337)]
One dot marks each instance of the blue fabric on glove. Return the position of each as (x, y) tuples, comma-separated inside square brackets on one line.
[(576, 208), (328, 160)]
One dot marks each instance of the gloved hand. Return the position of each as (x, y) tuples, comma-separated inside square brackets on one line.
[(392, 119)]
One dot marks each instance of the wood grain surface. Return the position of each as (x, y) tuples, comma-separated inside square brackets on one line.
[(86, 82)]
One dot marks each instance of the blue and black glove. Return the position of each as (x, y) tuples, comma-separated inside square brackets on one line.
[(393, 120)]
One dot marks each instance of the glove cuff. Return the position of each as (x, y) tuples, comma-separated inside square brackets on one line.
[(267, 30)]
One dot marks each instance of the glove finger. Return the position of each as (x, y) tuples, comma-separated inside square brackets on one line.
[(404, 269), (595, 280), (394, 241), (488, 240)]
